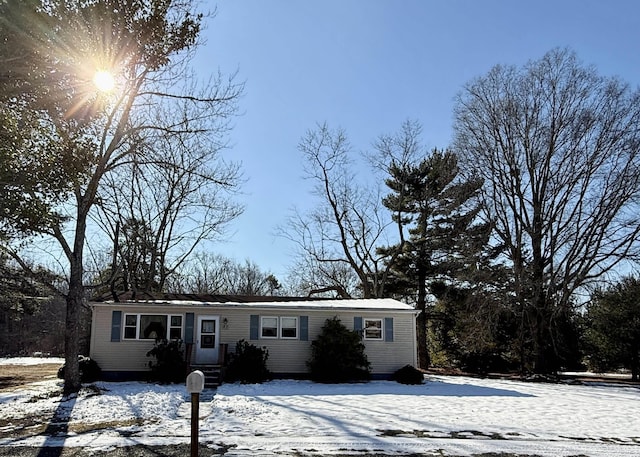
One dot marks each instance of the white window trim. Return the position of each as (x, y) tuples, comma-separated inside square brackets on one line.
[(279, 328), (297, 327), (169, 326), (262, 318), (364, 328)]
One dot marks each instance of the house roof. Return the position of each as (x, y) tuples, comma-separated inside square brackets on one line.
[(142, 296), (243, 301)]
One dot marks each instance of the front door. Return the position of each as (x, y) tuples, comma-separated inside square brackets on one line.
[(207, 340)]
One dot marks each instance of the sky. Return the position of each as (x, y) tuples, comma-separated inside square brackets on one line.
[(368, 65), (448, 416)]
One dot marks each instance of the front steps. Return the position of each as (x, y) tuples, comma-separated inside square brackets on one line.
[(212, 374)]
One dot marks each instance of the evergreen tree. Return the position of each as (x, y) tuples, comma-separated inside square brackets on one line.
[(613, 327), (444, 241), (337, 355)]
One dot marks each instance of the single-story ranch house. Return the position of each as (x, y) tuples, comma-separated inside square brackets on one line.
[(124, 329)]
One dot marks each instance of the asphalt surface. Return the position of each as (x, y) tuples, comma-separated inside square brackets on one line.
[(177, 451), (136, 451)]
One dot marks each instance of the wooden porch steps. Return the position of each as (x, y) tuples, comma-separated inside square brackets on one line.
[(212, 374)]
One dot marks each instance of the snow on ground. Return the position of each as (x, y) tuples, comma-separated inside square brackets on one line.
[(448, 416), (30, 360)]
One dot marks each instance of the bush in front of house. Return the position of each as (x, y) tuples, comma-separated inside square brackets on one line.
[(408, 374), (169, 366), (248, 364), (337, 355), (89, 369)]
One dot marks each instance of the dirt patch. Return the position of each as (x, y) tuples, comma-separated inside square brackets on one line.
[(46, 425), (14, 377)]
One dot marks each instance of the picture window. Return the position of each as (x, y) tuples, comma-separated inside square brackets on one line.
[(152, 326)]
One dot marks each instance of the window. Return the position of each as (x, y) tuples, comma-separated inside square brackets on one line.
[(372, 329), (175, 328), (289, 327), (269, 327), (130, 326), (152, 326), (279, 327)]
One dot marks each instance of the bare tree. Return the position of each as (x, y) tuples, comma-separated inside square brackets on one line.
[(84, 135), (163, 205), (310, 277), (558, 147), (215, 274), (346, 227)]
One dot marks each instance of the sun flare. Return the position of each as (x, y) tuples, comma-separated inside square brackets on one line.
[(104, 81)]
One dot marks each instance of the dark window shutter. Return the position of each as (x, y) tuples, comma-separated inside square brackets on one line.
[(188, 328), (304, 328), (357, 324), (254, 326), (388, 328), (116, 325)]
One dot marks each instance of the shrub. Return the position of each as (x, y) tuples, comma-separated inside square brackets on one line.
[(89, 369), (485, 362), (337, 355), (169, 366), (408, 375), (248, 364)]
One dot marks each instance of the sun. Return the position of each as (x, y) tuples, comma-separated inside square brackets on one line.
[(104, 81)]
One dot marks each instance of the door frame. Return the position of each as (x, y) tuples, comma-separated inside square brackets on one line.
[(205, 355)]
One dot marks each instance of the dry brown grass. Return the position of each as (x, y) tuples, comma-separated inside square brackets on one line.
[(13, 377)]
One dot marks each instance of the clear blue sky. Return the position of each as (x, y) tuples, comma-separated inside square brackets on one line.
[(368, 65)]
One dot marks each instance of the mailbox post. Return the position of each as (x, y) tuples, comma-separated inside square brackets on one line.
[(195, 385)]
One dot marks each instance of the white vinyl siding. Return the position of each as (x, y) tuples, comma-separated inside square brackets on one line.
[(286, 355)]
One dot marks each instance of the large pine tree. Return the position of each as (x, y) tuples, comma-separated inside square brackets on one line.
[(444, 242)]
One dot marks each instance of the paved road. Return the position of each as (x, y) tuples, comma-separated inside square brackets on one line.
[(169, 451), (137, 451)]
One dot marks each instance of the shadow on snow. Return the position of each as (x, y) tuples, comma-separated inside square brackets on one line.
[(434, 388)]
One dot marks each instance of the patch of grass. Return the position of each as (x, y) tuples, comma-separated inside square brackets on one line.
[(15, 377), (45, 395), (81, 427), (25, 426), (38, 425), (394, 432)]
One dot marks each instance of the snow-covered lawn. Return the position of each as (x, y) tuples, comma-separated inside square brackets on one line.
[(445, 416)]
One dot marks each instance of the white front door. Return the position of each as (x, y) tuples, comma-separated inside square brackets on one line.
[(207, 339)]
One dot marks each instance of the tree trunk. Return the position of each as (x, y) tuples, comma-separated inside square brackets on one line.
[(423, 351), (539, 352), (75, 299), (544, 356), (71, 340)]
